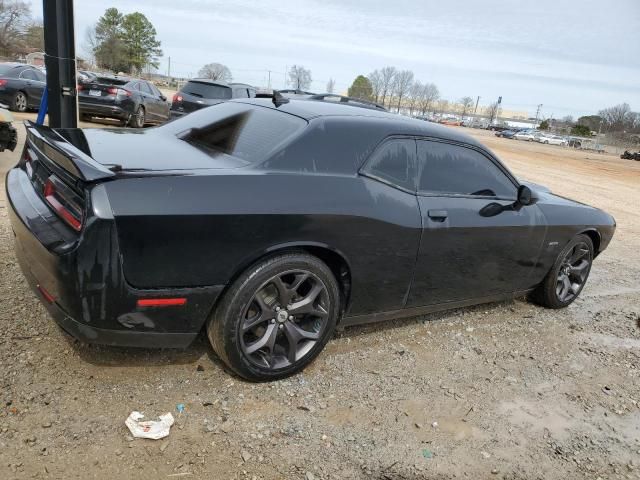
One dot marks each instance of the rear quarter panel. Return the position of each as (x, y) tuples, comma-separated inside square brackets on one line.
[(197, 230)]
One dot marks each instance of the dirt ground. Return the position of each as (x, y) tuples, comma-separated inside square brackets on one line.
[(507, 390)]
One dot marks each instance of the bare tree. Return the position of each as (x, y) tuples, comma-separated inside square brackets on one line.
[(443, 105), (401, 85), (331, 85), (90, 44), (299, 77), (387, 75), (466, 103), (493, 111), (375, 78), (215, 71), (617, 117), (14, 16), (414, 93), (428, 96)]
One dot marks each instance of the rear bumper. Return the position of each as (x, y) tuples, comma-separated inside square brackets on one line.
[(87, 293), (109, 111)]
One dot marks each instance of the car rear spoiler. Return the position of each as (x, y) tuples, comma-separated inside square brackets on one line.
[(64, 154)]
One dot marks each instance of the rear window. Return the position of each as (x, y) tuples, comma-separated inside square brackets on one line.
[(207, 90), (111, 81), (4, 69), (242, 131)]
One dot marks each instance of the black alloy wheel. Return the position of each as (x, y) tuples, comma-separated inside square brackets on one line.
[(276, 317), (285, 319), (573, 272), (568, 276)]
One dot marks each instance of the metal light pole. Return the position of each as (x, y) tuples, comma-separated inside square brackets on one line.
[(60, 61)]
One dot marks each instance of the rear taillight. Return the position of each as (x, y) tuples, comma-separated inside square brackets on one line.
[(118, 91), (3, 82), (177, 98), (64, 202)]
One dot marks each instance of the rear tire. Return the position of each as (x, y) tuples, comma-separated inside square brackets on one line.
[(137, 120), (19, 102), (276, 317), (567, 277)]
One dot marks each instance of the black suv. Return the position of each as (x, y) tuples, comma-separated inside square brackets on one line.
[(132, 101), (202, 92)]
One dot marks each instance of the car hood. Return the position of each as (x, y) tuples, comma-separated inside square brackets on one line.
[(144, 150)]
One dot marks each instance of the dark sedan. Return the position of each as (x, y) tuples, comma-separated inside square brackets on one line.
[(132, 101), (269, 223), (21, 86), (202, 92)]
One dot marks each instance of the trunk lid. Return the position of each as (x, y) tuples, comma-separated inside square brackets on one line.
[(102, 90)]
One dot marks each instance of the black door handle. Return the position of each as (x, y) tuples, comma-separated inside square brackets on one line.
[(438, 215)]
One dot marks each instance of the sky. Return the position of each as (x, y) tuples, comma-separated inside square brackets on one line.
[(573, 57)]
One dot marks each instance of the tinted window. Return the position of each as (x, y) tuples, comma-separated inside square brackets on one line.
[(453, 169), (155, 90), (395, 163), (145, 88), (207, 90), (28, 74), (242, 131)]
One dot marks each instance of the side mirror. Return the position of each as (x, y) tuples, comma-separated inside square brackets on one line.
[(163, 98), (526, 196)]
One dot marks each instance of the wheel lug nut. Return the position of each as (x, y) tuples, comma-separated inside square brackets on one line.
[(277, 309), (273, 320), (290, 317), (280, 326)]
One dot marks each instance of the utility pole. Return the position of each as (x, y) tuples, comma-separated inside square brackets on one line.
[(269, 82), (60, 61), (169, 68), (538, 112), (477, 101)]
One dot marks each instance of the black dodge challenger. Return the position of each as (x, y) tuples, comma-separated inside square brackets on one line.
[(270, 222)]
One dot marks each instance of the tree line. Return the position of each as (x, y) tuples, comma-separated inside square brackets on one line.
[(123, 43), (20, 33)]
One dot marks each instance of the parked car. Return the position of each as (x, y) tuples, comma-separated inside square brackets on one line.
[(270, 222), (527, 135), (627, 155), (453, 122), (21, 86), (552, 139), (133, 101), (202, 92), (506, 133), (574, 142)]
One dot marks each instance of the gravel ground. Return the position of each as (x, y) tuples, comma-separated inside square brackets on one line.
[(506, 390)]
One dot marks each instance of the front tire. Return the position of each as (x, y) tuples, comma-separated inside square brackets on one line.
[(569, 274), (276, 317)]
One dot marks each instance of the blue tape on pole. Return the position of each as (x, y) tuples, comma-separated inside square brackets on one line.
[(44, 104)]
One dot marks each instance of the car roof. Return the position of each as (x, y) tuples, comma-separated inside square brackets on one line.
[(397, 124)]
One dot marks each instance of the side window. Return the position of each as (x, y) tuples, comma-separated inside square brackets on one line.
[(241, 93), (136, 86), (144, 88), (40, 76), (252, 92), (452, 169), (28, 74), (394, 162)]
